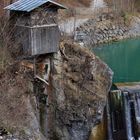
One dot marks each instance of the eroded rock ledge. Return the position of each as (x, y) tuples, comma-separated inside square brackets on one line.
[(81, 83)]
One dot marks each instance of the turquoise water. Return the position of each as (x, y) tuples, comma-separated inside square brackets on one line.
[(123, 58)]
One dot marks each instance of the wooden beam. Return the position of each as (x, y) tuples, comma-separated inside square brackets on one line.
[(38, 26)]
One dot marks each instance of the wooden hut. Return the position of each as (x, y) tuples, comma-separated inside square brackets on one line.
[(36, 25)]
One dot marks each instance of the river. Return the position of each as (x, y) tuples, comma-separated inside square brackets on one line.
[(123, 58)]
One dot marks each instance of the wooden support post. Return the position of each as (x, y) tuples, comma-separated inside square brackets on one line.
[(34, 67), (127, 116), (109, 128)]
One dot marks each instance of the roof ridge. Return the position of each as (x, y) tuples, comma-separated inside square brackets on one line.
[(29, 5)]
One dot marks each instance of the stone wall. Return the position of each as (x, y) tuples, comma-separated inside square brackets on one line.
[(106, 28)]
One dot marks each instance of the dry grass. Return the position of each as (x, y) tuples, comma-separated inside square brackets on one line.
[(126, 5), (9, 48), (75, 3), (13, 84), (5, 43), (13, 99)]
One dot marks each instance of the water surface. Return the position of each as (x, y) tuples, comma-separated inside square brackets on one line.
[(123, 58)]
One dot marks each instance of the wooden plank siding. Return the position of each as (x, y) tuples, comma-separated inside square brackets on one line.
[(44, 40), (39, 40), (23, 37)]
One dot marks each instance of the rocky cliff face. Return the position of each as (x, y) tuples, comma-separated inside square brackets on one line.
[(81, 83), (76, 96)]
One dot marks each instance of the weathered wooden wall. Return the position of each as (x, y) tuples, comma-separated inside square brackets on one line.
[(39, 16), (44, 15), (44, 40), (38, 40)]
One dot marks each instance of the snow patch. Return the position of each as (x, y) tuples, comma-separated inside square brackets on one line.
[(96, 4), (71, 24)]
